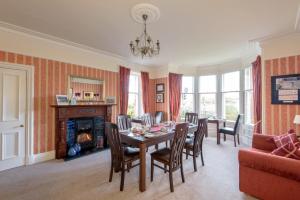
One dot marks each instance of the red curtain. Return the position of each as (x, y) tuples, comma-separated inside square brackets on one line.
[(257, 84), (175, 81), (124, 89), (145, 92)]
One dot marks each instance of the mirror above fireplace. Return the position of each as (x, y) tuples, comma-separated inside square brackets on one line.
[(86, 89)]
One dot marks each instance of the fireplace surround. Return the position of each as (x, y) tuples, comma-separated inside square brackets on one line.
[(81, 125)]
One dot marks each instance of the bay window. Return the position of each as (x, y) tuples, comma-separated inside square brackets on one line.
[(231, 95), (187, 96), (207, 96)]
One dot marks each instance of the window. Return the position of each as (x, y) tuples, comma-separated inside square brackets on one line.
[(248, 104), (134, 105), (231, 95), (187, 96), (207, 96)]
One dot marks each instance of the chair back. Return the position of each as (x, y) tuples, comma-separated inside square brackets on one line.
[(237, 124), (199, 135), (191, 118), (124, 122), (148, 119), (177, 146), (114, 141), (158, 117)]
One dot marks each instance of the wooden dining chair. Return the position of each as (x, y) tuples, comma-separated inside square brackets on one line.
[(193, 146), (124, 122), (121, 157), (159, 115), (148, 119), (191, 118), (171, 157), (232, 131)]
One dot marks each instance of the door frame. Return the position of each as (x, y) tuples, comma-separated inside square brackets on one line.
[(29, 115)]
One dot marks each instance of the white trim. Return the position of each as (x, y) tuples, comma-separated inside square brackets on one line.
[(29, 106), (42, 157), (297, 22)]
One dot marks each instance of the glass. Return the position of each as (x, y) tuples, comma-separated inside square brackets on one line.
[(248, 78), (248, 107), (231, 81), (231, 105), (207, 105), (133, 84), (187, 84), (207, 84), (187, 104), (132, 105)]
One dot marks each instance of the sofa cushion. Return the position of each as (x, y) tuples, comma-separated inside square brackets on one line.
[(288, 150), (282, 140), (263, 142)]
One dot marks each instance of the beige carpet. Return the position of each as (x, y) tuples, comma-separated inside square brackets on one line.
[(87, 178)]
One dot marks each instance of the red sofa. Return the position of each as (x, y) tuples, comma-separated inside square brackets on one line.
[(267, 176)]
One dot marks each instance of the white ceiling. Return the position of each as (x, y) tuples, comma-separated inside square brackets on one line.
[(191, 32)]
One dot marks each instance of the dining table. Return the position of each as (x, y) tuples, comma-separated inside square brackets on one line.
[(154, 137)]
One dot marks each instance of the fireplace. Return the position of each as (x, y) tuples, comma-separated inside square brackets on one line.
[(85, 135), (80, 128)]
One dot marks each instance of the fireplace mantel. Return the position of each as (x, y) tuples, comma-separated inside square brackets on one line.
[(65, 112)]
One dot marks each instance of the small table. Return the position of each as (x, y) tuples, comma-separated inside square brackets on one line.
[(143, 142), (217, 122)]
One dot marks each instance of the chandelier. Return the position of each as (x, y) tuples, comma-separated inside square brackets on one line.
[(144, 45)]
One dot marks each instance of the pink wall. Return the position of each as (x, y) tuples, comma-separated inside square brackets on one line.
[(279, 118)]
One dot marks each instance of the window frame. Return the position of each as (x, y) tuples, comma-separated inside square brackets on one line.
[(222, 93), (189, 93), (203, 93), (245, 91)]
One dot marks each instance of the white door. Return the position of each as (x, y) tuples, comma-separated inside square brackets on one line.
[(12, 118)]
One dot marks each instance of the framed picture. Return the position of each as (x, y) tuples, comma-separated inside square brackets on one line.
[(62, 100), (285, 89), (160, 88), (160, 98), (88, 95), (110, 100)]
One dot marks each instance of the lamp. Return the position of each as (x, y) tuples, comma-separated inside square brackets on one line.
[(297, 119)]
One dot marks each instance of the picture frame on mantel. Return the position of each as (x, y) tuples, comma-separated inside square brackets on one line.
[(160, 88), (62, 100), (285, 89)]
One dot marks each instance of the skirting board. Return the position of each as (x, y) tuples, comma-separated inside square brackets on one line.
[(42, 157)]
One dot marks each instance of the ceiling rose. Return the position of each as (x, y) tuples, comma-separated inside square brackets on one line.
[(151, 11)]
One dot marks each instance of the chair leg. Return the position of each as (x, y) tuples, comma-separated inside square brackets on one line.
[(195, 163), (187, 154), (152, 169), (182, 174), (111, 171), (166, 143), (128, 167), (171, 180), (238, 138), (122, 177), (165, 166), (202, 160), (218, 138), (224, 137), (234, 140), (156, 146)]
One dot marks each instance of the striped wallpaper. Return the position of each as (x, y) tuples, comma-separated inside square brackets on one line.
[(159, 106), (51, 78), (279, 118)]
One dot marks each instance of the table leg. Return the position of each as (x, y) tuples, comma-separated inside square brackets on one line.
[(218, 134), (142, 167)]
